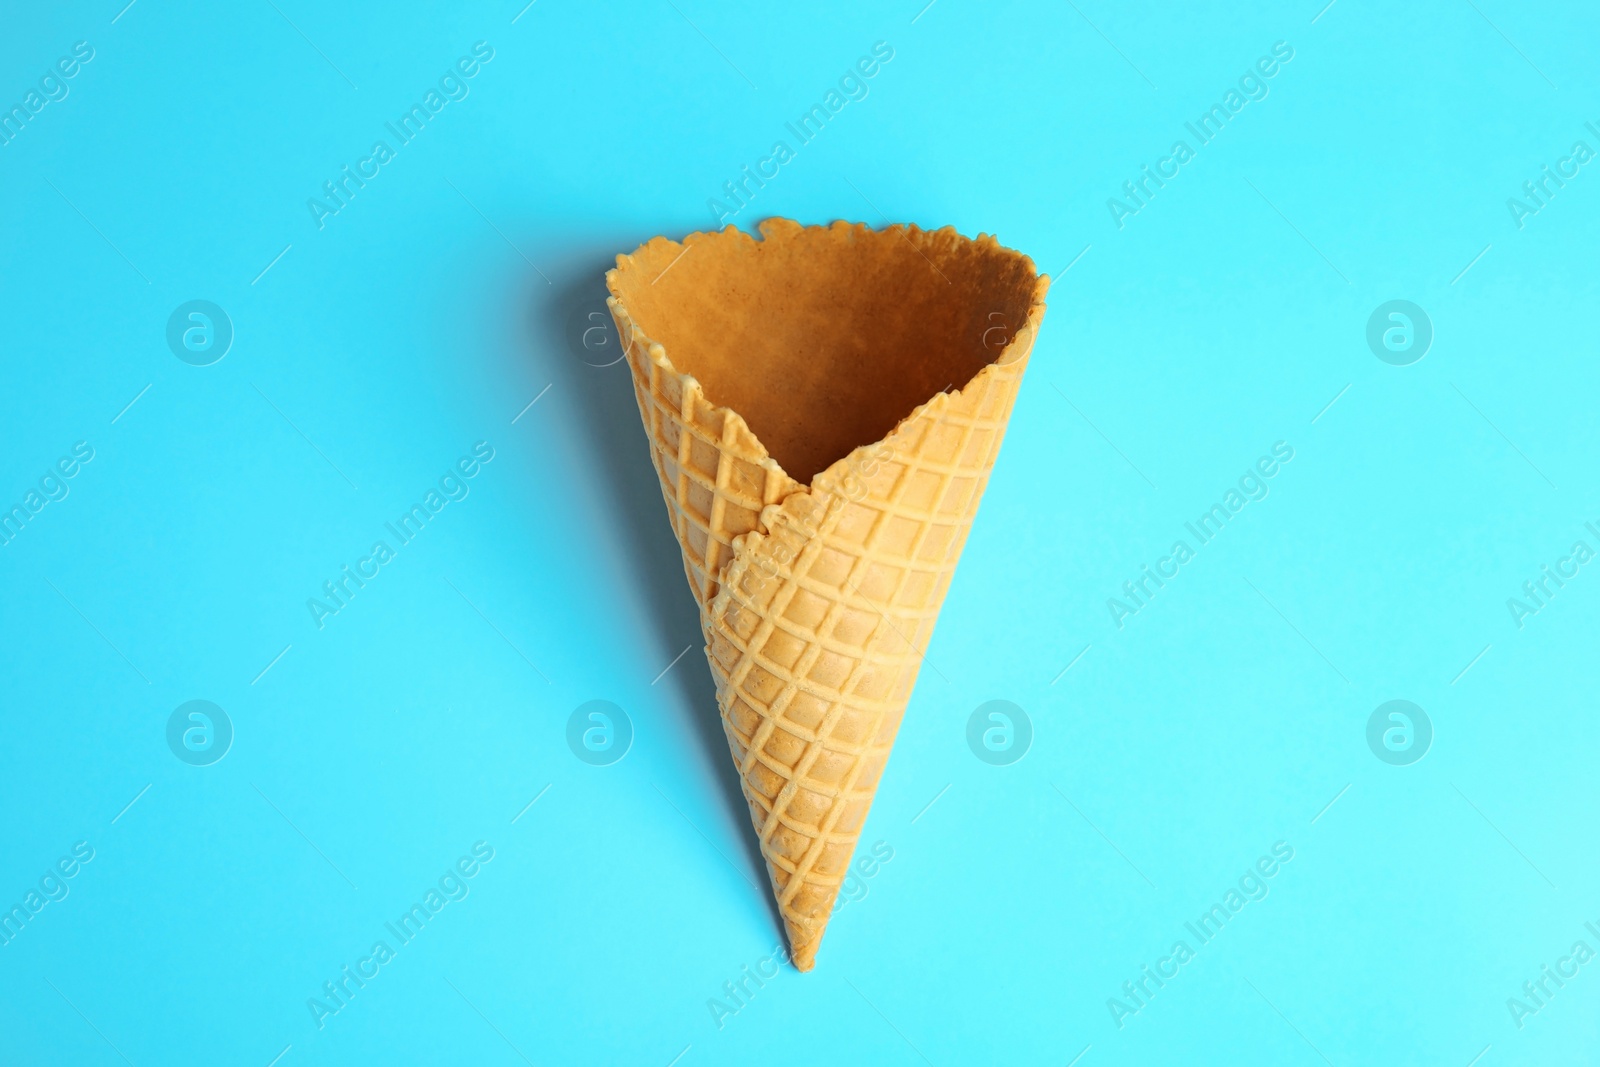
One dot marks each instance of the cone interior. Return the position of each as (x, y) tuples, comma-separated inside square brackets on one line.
[(823, 339)]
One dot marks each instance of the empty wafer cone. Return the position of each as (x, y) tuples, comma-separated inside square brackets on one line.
[(824, 406)]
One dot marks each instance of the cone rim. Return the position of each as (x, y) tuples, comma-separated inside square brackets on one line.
[(1018, 347)]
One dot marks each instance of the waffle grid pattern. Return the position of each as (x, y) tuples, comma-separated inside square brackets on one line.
[(817, 615), (713, 480)]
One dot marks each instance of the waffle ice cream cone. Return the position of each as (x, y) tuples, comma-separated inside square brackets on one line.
[(824, 406)]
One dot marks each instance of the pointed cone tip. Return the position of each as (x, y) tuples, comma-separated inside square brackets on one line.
[(805, 956), (803, 943)]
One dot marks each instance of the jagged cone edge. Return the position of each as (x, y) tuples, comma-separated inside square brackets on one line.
[(809, 753)]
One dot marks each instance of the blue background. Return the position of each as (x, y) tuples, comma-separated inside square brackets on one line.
[(1228, 714)]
